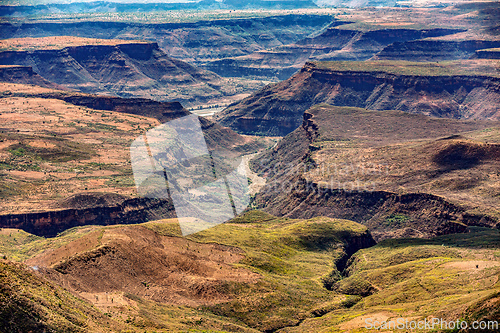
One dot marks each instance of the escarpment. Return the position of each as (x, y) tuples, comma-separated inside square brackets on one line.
[(120, 68), (61, 144), (335, 43), (424, 88), (434, 50), (384, 170)]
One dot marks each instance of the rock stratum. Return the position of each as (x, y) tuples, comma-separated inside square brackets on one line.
[(226, 272), (65, 157), (120, 68), (389, 170), (105, 6), (461, 90), (194, 42), (337, 43)]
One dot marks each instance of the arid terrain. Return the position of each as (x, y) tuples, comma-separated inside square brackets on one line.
[(458, 89), (360, 165), (121, 68), (370, 136)]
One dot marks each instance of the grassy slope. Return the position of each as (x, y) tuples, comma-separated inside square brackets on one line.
[(450, 277), (291, 256), (51, 149)]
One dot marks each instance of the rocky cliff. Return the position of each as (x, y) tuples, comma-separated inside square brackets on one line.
[(345, 163), (424, 88), (335, 43), (194, 42), (25, 75), (125, 69), (50, 223)]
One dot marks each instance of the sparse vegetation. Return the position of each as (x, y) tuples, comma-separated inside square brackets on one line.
[(401, 174)]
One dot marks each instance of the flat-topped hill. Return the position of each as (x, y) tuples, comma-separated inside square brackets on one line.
[(58, 42), (467, 89), (399, 174), (124, 68)]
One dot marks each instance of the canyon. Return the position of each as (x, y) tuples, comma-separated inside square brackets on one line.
[(120, 68), (461, 90), (359, 165)]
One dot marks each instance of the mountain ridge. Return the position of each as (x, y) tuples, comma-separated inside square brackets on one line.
[(425, 88)]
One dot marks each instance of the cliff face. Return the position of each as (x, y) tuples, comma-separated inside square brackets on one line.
[(126, 70), (345, 163), (434, 50), (333, 44), (25, 75), (277, 109), (85, 152), (193, 42)]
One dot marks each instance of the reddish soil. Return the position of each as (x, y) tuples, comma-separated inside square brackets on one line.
[(136, 260)]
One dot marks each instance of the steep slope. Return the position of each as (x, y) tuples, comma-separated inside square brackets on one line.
[(195, 42), (464, 89), (255, 273), (121, 68), (65, 158), (31, 303), (385, 169), (336, 43), (25, 75)]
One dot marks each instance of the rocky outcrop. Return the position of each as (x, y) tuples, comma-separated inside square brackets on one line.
[(128, 69), (292, 191), (104, 6), (25, 75), (163, 111), (434, 50), (333, 44), (277, 109), (217, 137), (425, 215)]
